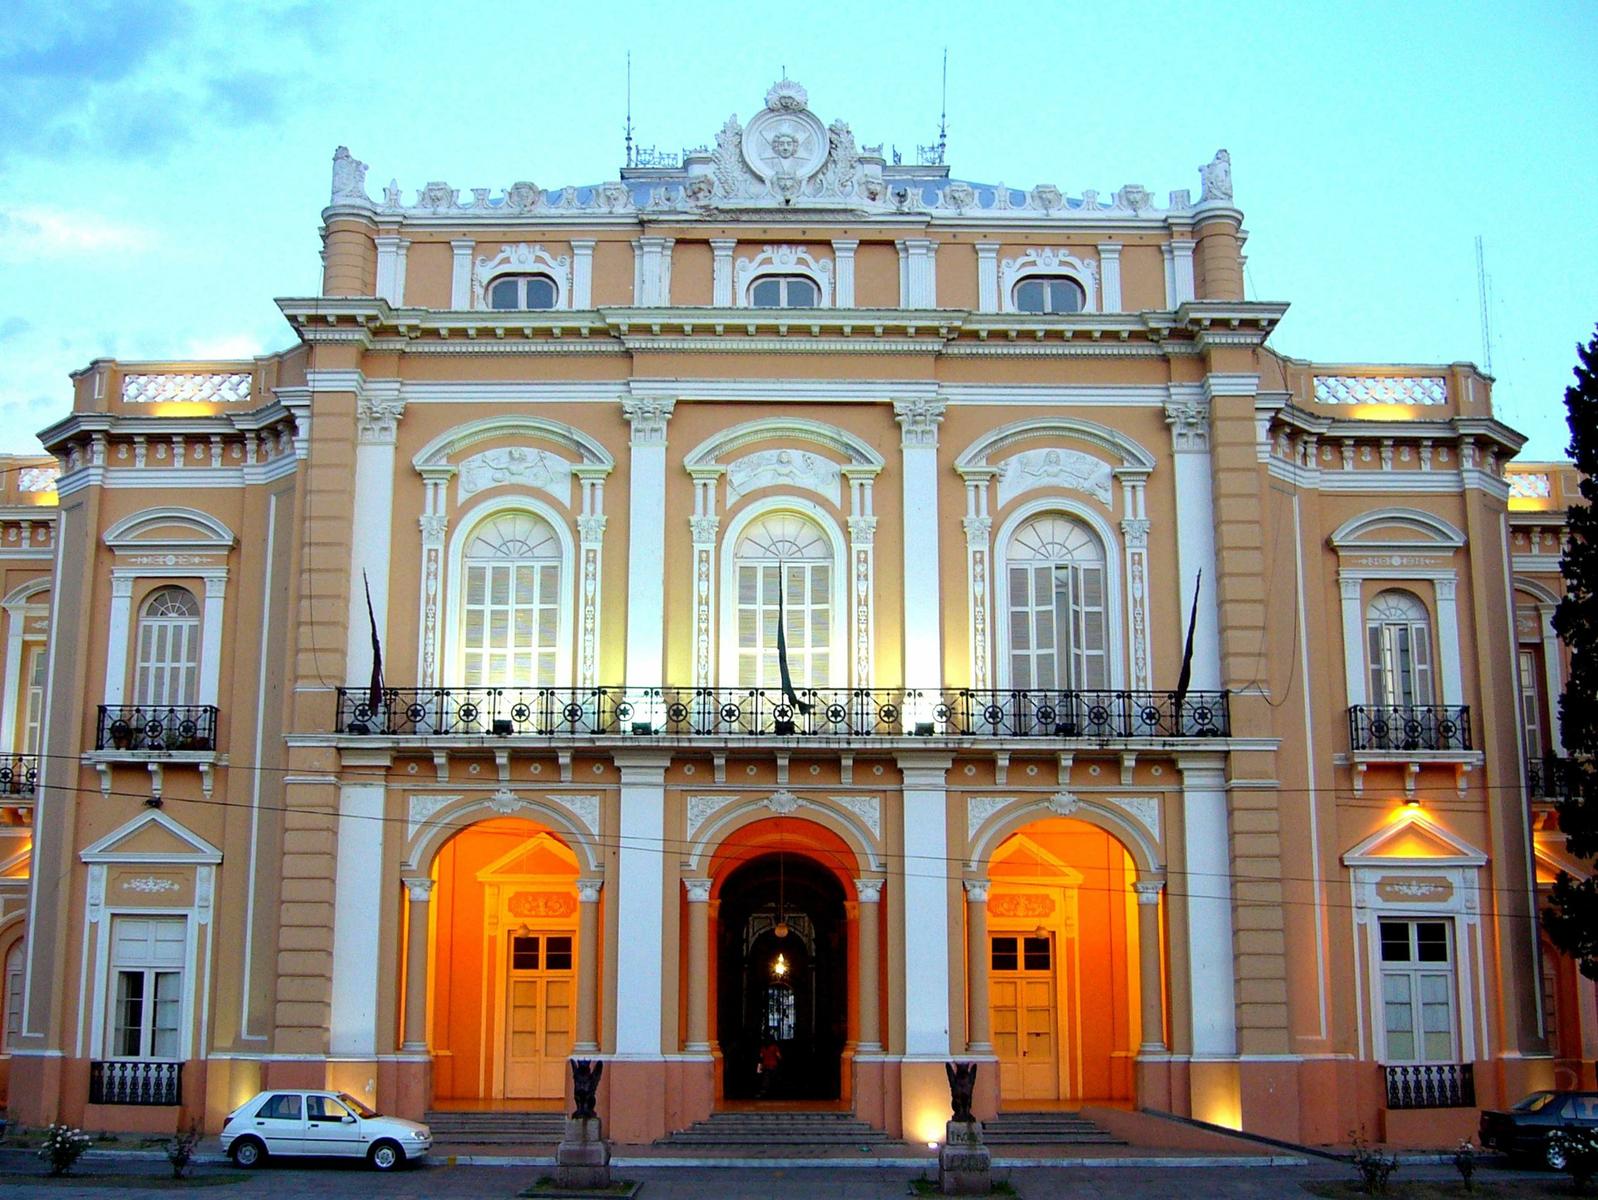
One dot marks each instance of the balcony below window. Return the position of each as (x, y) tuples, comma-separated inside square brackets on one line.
[(19, 774), (141, 1081), (681, 712), (1402, 729), (1431, 1085), (156, 730), (1548, 777)]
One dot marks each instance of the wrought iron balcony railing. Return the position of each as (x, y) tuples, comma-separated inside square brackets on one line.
[(1409, 727), (143, 1081), (137, 727), (19, 774), (1548, 777), (1431, 1085), (767, 712)]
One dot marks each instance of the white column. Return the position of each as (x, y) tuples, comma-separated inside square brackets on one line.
[(703, 527), (918, 280), (591, 522), (923, 637), (378, 409), (721, 271), (1209, 908), (640, 901), (391, 253), (357, 913), (1182, 269), (118, 635), (987, 276), (1552, 683), (211, 638), (417, 892), (1189, 419), (434, 524), (1170, 274), (926, 904), (1110, 277), (1453, 676), (582, 273), (1350, 588), (16, 620), (652, 270), (646, 540), (843, 271), (460, 281)]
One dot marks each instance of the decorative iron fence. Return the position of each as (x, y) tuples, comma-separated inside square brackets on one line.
[(1409, 727), (1548, 777), (767, 712), (1431, 1085), (147, 1081), (136, 727), (19, 774)]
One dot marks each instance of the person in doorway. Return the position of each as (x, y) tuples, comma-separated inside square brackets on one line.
[(766, 1066)]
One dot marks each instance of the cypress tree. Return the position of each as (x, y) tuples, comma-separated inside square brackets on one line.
[(1572, 917)]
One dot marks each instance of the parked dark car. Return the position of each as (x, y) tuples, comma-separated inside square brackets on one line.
[(1523, 1130)]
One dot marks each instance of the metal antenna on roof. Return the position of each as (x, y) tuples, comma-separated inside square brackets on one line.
[(629, 126), (943, 109), (1481, 299)]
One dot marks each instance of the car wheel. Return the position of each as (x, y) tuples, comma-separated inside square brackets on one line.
[(247, 1152), (1554, 1156), (385, 1155)]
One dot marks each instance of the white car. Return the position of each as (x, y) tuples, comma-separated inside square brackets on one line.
[(284, 1122)]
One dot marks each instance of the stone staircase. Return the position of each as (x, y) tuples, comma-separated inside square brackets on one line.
[(1045, 1129), (741, 1132), (541, 1130)]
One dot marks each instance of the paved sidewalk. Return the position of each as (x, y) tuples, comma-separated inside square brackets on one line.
[(127, 1179)]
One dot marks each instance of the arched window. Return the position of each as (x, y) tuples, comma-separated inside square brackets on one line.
[(522, 292), (1049, 294), (784, 555), (1058, 623), (784, 291), (511, 615), (1399, 641), (169, 649)]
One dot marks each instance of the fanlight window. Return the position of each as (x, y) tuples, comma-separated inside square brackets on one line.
[(784, 555), (169, 649), (1058, 634), (512, 603), (522, 292), (1049, 294), (1399, 642), (784, 291)]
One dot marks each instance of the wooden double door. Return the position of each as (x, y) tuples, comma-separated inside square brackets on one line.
[(1023, 1007), (540, 1013)]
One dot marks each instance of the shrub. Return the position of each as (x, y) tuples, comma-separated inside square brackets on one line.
[(1465, 1162), (1374, 1167), (62, 1146), (1574, 1151), (180, 1150)]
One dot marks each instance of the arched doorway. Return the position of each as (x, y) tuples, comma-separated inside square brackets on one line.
[(504, 969), (782, 977), (1063, 966)]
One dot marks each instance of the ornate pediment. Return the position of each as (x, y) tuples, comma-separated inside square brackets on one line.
[(1413, 838)]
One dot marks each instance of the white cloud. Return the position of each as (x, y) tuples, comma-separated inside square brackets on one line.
[(31, 233)]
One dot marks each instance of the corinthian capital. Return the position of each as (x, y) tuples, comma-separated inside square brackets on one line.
[(919, 419), (377, 417), (1190, 424), (648, 416)]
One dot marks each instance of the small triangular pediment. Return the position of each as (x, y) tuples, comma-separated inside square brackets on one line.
[(15, 860), (1552, 858), (1414, 838), (152, 836), (1021, 857), (537, 858)]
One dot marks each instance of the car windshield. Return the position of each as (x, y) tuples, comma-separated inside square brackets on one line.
[(1534, 1102), (357, 1107)]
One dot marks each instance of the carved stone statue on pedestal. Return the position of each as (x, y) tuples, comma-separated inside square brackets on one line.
[(582, 1160), (965, 1166)]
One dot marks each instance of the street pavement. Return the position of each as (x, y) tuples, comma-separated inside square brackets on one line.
[(106, 1175)]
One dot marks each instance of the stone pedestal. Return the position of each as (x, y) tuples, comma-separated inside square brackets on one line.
[(965, 1167), (582, 1160)]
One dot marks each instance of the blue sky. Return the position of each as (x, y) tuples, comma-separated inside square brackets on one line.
[(163, 165)]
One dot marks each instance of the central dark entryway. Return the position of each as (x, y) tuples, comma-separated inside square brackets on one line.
[(782, 972)]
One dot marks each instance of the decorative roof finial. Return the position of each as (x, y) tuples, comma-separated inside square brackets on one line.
[(787, 96)]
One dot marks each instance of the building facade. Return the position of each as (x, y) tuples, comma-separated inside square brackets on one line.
[(576, 460)]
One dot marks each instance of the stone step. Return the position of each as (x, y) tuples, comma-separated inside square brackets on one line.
[(1046, 1129), (778, 1129)]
